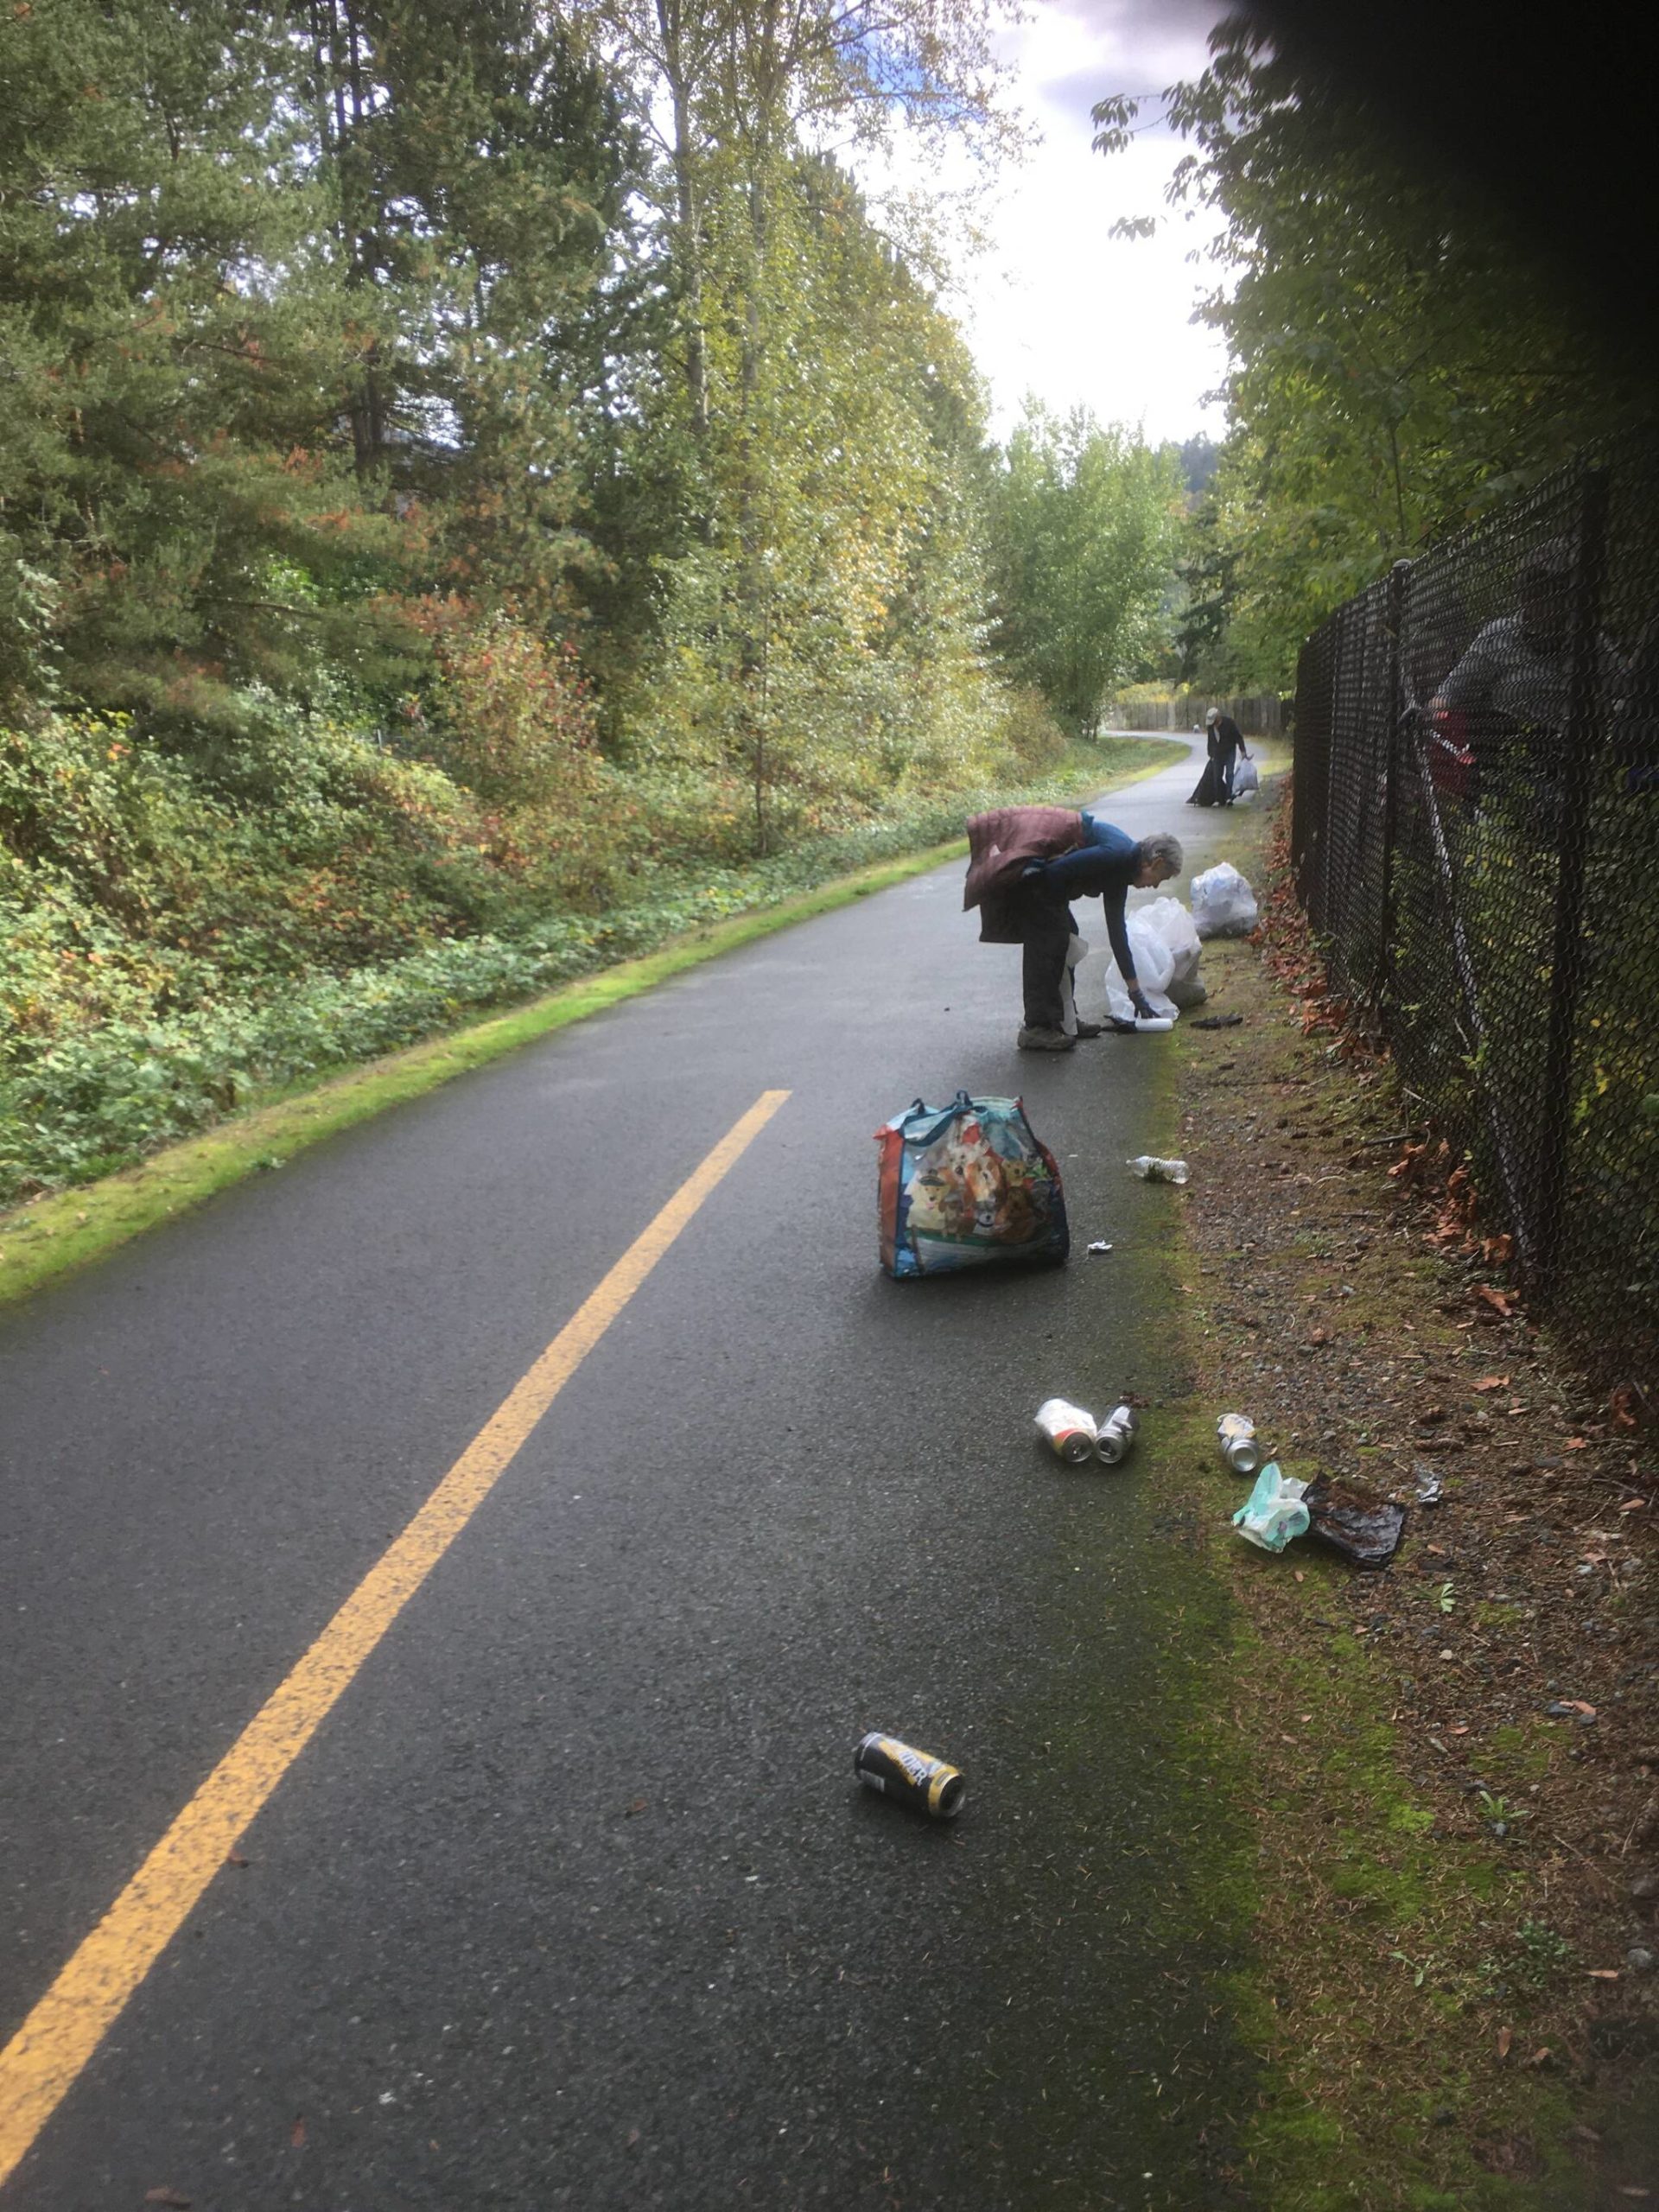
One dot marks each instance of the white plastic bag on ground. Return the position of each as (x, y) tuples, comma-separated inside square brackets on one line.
[(1223, 905), (1154, 969), (1246, 782), (1273, 1512), (1174, 925)]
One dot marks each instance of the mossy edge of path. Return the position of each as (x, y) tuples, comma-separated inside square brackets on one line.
[(1373, 2091), (45, 1238)]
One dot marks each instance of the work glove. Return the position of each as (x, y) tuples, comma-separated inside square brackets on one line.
[(1142, 1004)]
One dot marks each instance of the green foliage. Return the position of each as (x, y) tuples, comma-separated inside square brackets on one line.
[(1399, 360), (1085, 524)]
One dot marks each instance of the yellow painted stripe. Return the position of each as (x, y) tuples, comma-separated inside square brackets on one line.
[(40, 2065)]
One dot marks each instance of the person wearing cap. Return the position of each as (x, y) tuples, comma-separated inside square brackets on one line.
[(1515, 681), (1225, 742), (1026, 865)]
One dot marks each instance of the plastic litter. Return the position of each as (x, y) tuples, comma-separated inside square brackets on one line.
[(1355, 1522), (1069, 1430), (1246, 782), (1223, 903), (1101, 1245), (1218, 1021), (1430, 1489), (1170, 920), (1239, 1452), (1273, 1512), (1151, 1170)]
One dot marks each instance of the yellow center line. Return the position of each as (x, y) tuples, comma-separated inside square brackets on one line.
[(40, 2064)]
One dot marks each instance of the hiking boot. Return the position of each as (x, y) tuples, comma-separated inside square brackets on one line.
[(1045, 1040)]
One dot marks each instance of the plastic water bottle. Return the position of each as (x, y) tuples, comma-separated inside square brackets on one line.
[(1151, 1170), (1154, 1024)]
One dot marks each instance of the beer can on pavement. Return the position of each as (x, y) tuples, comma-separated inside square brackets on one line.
[(915, 1778), (1069, 1429), (1116, 1435), (1236, 1434)]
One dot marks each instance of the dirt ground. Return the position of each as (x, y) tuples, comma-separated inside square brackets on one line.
[(1456, 1758)]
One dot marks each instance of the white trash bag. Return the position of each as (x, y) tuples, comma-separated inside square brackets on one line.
[(1154, 970), (1223, 905), (1174, 925), (1246, 782)]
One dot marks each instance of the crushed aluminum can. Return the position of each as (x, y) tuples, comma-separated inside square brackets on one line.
[(915, 1778), (1068, 1429), (1116, 1435), (1236, 1434)]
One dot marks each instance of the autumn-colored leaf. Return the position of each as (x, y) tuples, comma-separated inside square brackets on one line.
[(1493, 1383), (298, 2135), (1602, 1974), (1505, 2039), (1578, 1705), (1576, 1444), (1495, 1299)]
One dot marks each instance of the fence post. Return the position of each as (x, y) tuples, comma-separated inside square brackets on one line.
[(1399, 580), (1579, 741)]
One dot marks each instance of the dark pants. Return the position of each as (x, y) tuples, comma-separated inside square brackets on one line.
[(1047, 926)]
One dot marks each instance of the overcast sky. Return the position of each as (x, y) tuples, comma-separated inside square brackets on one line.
[(1058, 308)]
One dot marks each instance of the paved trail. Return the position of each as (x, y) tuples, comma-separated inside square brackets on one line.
[(571, 1900)]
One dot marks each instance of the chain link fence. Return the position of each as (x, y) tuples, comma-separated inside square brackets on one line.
[(1476, 839)]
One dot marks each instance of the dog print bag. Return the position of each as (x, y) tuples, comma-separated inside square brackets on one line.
[(966, 1184)]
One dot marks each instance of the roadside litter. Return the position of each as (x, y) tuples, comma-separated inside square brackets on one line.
[(1100, 1245), (1151, 1170), (1273, 1512), (1218, 1021), (1239, 1452), (1069, 1431), (1354, 1521), (1117, 1433), (1430, 1489), (967, 1186), (909, 1777), (1223, 903), (1246, 782), (1073, 1435)]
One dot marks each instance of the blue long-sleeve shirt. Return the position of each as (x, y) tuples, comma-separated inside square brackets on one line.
[(1103, 867)]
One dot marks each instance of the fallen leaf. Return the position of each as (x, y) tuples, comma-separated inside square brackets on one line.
[(1320, 1337), (638, 1806), (1576, 1444), (1301, 1577), (235, 1858), (1462, 1729), (297, 2137), (1505, 2039), (1493, 1383), (1578, 1705), (1630, 1505), (1602, 1974), (1539, 2055), (1495, 1299)]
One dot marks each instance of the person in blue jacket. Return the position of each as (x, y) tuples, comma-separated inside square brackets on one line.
[(1108, 865)]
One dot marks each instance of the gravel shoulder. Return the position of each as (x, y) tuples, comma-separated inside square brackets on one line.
[(1453, 1765)]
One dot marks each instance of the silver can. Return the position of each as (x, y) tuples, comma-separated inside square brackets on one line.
[(1070, 1432), (1116, 1435), (1236, 1434)]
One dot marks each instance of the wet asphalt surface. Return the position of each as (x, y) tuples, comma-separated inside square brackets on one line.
[(574, 1901)]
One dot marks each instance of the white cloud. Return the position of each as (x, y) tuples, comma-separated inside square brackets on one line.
[(1055, 306)]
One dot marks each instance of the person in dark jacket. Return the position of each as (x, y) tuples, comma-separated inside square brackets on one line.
[(1226, 742), (1023, 885)]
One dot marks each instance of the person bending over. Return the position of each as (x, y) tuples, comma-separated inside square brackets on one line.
[(1026, 865)]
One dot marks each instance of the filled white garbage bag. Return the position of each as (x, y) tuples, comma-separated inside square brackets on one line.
[(1223, 903), (1174, 925), (1154, 970)]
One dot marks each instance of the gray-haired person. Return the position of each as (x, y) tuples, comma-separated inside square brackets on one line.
[(1026, 865)]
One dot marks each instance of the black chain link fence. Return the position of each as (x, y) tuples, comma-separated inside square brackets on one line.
[(1476, 839)]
